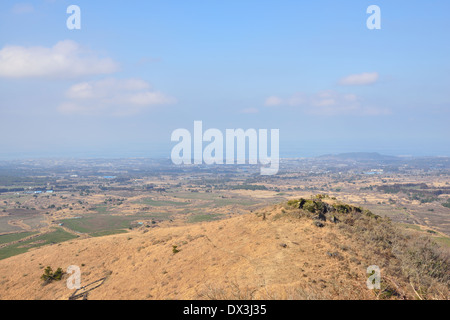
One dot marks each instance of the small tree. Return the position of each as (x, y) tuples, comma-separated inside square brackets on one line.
[(175, 250), (49, 275)]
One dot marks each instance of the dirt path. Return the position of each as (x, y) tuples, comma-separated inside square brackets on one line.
[(20, 224), (81, 235)]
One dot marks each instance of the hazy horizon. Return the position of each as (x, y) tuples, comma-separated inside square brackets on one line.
[(160, 155)]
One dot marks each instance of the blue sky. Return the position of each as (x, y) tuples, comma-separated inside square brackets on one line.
[(137, 70)]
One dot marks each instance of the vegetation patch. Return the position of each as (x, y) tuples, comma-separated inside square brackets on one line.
[(101, 209), (175, 250), (416, 191), (161, 203), (204, 217), (54, 237), (248, 187), (96, 225), (416, 261), (444, 241), (322, 208), (49, 276), (447, 204), (7, 238)]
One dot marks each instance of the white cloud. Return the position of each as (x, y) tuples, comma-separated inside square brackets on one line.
[(359, 79), (297, 99), (329, 103), (66, 59), (117, 97), (273, 101), (21, 8)]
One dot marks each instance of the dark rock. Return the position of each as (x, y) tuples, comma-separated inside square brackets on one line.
[(318, 224), (334, 255), (301, 203), (320, 217), (333, 219)]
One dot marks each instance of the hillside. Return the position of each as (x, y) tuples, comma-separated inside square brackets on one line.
[(303, 249)]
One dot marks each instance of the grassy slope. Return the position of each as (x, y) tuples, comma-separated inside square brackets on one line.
[(247, 257)]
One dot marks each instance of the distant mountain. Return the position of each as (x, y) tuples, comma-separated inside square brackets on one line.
[(359, 156)]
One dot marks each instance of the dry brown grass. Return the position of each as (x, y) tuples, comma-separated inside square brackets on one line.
[(284, 256)]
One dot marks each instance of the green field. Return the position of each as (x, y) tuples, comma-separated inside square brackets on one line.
[(443, 241), (91, 224), (56, 236), (98, 225), (198, 195), (410, 226), (217, 200), (102, 209), (160, 203), (386, 210), (7, 238), (222, 202), (204, 217)]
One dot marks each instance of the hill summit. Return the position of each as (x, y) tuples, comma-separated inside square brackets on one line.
[(316, 248)]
